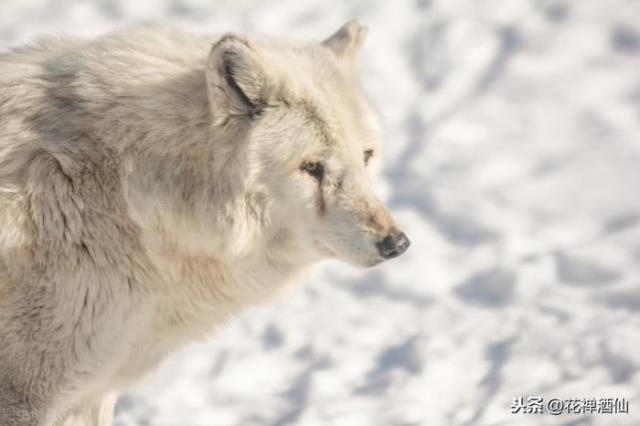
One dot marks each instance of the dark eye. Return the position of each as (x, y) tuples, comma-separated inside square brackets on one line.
[(314, 169), (368, 153)]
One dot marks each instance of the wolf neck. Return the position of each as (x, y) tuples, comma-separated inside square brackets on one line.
[(157, 118), (201, 226), (216, 251), (210, 284)]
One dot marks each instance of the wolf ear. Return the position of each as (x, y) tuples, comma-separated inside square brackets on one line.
[(235, 69), (347, 40)]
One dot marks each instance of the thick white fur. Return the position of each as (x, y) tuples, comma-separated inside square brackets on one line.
[(145, 196)]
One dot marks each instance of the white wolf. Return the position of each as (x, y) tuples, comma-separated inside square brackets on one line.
[(153, 182)]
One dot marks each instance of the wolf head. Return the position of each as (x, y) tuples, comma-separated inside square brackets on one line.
[(308, 138)]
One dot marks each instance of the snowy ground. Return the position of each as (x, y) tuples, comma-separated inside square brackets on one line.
[(513, 163)]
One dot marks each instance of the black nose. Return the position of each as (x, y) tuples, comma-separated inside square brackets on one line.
[(393, 245)]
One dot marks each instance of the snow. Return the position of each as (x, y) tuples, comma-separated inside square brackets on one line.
[(512, 162)]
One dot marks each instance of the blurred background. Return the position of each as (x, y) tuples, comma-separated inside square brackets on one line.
[(512, 162)]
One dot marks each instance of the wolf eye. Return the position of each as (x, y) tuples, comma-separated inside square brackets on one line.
[(368, 153), (314, 169)]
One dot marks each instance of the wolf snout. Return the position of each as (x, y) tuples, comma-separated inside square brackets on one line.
[(393, 245)]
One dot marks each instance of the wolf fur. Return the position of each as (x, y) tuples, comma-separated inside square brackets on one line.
[(152, 183)]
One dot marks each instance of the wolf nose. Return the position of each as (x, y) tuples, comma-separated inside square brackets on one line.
[(393, 245)]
